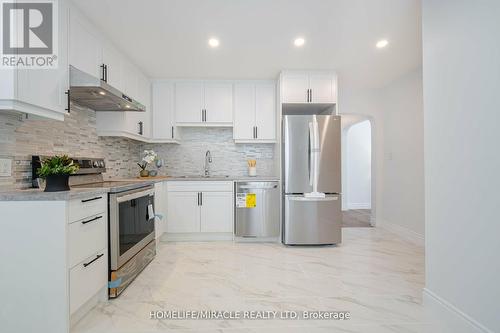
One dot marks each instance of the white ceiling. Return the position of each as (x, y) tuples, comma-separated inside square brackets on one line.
[(168, 38)]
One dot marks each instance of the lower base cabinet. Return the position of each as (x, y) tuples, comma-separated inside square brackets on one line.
[(200, 207)]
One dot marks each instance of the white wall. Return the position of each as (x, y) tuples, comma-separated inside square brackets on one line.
[(401, 104), (461, 70), (358, 166), (396, 114)]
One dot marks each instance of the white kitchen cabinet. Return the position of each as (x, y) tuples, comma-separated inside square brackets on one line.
[(112, 61), (68, 252), (218, 103), (322, 88), (208, 103), (308, 87), (161, 209), (85, 45), (163, 117), (295, 87), (188, 102), (254, 112), (244, 111), (183, 212), (40, 92), (201, 210), (216, 212)]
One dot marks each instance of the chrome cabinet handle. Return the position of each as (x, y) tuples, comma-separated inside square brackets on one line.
[(90, 262)]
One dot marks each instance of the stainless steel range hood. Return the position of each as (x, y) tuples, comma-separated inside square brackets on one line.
[(96, 94)]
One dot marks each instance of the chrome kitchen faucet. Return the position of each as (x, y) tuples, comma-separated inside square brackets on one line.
[(208, 160)]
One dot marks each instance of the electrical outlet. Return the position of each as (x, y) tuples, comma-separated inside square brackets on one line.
[(5, 167)]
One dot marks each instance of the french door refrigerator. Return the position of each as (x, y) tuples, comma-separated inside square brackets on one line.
[(311, 166)]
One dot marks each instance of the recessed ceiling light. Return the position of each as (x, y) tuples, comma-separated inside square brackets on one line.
[(127, 106), (213, 42), (299, 42), (102, 93), (382, 43)]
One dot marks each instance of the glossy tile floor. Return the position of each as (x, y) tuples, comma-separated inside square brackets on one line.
[(374, 275), (357, 218)]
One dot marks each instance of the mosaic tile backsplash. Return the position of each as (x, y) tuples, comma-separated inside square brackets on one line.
[(76, 136), (228, 158)]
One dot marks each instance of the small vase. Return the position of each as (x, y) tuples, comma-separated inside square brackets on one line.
[(153, 173), (56, 183), (144, 173)]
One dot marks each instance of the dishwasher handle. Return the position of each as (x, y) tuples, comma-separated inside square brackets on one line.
[(258, 187)]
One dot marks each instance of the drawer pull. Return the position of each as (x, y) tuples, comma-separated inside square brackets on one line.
[(96, 198), (91, 220), (90, 262)]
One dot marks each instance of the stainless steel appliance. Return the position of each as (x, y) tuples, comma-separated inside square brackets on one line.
[(96, 94), (311, 166), (131, 235), (257, 209)]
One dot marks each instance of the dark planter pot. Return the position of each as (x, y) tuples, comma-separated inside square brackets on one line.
[(56, 183)]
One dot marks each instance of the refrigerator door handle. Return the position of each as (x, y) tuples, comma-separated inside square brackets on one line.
[(310, 155), (316, 150)]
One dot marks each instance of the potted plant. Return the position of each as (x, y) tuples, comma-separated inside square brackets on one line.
[(56, 170), (149, 157)]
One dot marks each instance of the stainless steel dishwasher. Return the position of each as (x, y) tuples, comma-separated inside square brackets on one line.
[(257, 206)]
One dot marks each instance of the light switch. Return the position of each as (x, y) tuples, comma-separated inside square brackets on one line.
[(5, 167)]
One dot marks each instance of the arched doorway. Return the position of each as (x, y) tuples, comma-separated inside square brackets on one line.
[(357, 172)]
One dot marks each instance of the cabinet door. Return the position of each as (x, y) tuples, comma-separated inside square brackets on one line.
[(219, 102), (244, 111), (188, 102), (295, 87), (183, 212), (46, 87), (265, 111), (217, 212), (322, 88), (163, 111), (85, 51), (113, 60), (160, 208), (130, 79)]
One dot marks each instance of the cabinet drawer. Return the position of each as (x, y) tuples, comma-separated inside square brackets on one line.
[(200, 186), (86, 237), (87, 278), (81, 208)]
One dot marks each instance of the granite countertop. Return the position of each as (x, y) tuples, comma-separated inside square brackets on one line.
[(158, 179), (36, 194), (32, 194)]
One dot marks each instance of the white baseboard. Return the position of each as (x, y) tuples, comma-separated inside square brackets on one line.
[(358, 205), (197, 237), (453, 319), (403, 232)]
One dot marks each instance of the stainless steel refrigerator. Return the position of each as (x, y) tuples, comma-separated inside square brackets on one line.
[(311, 166)]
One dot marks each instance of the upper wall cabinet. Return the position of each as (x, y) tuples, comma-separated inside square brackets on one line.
[(254, 112), (39, 92), (85, 48), (199, 103), (308, 87), (163, 117), (112, 67)]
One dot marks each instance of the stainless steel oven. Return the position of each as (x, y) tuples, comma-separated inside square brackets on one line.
[(131, 235)]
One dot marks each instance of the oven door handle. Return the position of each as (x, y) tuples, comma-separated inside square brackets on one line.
[(131, 196)]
